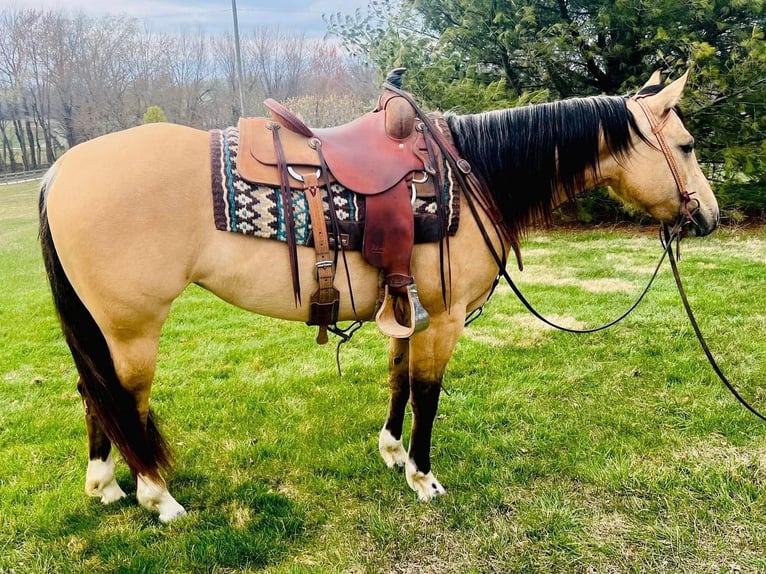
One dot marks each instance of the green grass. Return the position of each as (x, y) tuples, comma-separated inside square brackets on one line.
[(613, 452)]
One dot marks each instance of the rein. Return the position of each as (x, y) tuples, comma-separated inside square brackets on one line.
[(534, 312), (667, 236)]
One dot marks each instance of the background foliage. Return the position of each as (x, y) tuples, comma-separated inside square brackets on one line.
[(67, 78), (474, 55)]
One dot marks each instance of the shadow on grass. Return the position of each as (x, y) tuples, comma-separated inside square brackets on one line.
[(229, 527)]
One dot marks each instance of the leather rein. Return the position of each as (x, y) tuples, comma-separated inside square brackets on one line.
[(477, 197), (670, 234)]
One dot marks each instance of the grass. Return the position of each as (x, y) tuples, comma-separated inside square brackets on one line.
[(613, 452)]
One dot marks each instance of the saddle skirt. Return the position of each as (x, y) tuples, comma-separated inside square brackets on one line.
[(256, 209)]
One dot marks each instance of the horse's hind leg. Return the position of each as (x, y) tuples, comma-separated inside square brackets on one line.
[(429, 353), (135, 359), (390, 440), (100, 480)]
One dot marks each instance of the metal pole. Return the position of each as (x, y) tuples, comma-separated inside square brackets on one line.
[(239, 57)]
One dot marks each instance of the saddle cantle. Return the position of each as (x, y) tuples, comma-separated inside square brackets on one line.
[(380, 155)]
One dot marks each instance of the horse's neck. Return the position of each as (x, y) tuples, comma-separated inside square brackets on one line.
[(606, 176)]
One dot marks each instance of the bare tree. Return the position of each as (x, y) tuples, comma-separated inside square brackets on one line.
[(14, 70), (278, 60), (66, 78), (187, 62)]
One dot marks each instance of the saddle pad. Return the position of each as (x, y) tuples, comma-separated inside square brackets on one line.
[(242, 207)]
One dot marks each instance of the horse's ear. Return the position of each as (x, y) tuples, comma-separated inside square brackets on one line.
[(654, 80), (669, 96)]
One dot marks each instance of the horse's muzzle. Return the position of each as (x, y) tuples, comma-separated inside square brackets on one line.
[(702, 222)]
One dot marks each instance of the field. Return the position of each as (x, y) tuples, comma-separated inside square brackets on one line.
[(613, 452)]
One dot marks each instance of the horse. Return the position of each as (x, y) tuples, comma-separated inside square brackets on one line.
[(126, 226)]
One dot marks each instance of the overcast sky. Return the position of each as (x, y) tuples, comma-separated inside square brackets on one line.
[(212, 15)]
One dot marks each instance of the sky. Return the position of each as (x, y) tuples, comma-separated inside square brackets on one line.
[(211, 15)]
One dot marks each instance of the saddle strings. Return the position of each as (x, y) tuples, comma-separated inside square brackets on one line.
[(336, 232), (443, 221), (287, 204)]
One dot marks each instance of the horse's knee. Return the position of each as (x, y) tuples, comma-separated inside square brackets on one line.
[(154, 496)]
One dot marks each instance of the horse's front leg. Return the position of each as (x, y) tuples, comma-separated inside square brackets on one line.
[(390, 440), (429, 353)]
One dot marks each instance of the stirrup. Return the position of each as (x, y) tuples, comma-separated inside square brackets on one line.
[(386, 316)]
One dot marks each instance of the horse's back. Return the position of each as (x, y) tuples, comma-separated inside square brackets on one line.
[(149, 150)]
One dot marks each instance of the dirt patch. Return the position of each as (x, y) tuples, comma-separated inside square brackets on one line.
[(521, 330), (717, 451), (565, 277)]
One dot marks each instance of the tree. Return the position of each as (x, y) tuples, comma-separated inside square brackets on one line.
[(154, 115), (494, 53)]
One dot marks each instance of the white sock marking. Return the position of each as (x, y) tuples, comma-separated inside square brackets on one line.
[(425, 485), (391, 449), (101, 482), (154, 496)]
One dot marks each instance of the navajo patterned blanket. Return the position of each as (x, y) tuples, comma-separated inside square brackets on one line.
[(251, 209)]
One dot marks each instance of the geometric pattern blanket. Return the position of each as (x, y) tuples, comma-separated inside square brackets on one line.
[(251, 209)]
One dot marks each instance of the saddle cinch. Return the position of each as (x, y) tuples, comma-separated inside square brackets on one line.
[(381, 155)]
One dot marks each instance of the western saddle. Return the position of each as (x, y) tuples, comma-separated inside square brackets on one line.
[(381, 155)]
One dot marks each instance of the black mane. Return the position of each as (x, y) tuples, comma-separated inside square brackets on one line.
[(515, 151)]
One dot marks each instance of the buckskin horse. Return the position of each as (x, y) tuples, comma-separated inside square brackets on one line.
[(126, 225)]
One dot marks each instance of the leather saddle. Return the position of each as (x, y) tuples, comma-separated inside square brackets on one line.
[(369, 155), (381, 155)]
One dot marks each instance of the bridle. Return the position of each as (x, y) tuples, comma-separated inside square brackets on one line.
[(690, 204), (669, 234)]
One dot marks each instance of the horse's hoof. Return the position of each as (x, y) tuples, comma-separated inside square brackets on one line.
[(426, 485), (391, 450), (172, 512), (100, 481), (112, 493), (154, 496)]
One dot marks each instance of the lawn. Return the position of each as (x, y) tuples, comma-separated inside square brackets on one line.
[(613, 452)]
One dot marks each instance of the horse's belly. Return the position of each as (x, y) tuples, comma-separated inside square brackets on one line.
[(254, 274)]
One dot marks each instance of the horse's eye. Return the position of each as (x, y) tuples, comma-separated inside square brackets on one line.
[(688, 148)]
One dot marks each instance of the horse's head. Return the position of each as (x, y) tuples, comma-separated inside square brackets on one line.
[(661, 175)]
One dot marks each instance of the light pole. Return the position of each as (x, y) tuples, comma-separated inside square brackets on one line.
[(238, 53)]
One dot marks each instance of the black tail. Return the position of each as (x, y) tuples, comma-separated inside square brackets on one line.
[(143, 447)]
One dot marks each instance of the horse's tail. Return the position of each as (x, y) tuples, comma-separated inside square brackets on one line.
[(142, 446)]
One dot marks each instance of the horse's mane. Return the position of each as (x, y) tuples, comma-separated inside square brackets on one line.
[(524, 154)]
